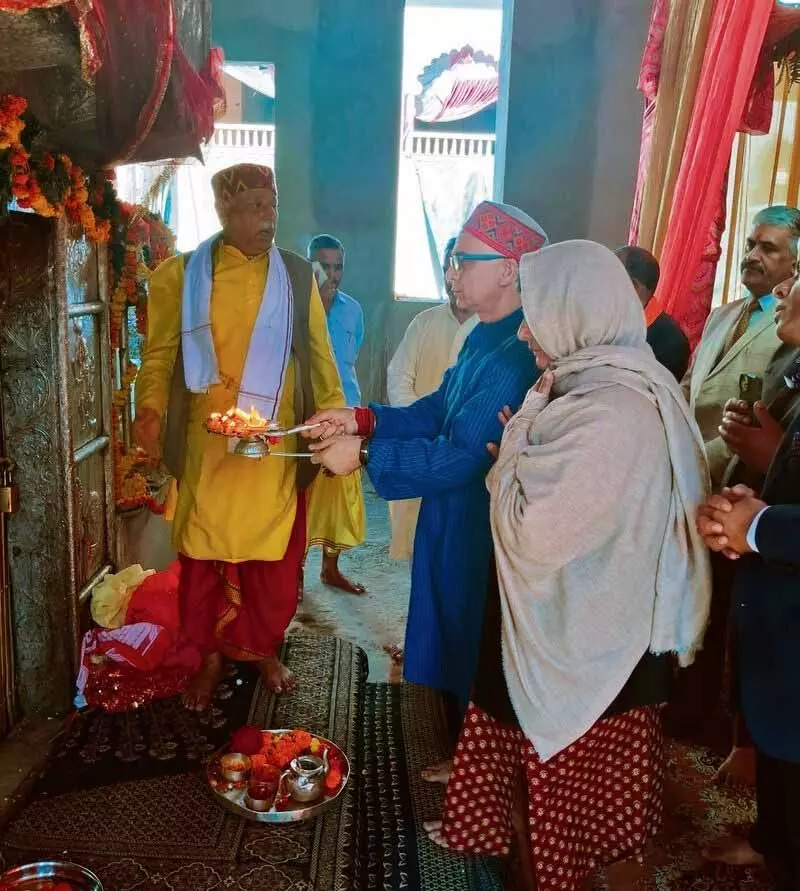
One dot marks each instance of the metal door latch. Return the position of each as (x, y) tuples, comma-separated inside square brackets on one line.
[(9, 493)]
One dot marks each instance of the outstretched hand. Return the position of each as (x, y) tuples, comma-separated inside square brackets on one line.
[(332, 422), (339, 455)]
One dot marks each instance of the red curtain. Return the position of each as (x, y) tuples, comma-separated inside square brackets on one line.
[(734, 45)]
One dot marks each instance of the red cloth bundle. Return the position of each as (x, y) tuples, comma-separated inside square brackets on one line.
[(145, 659)]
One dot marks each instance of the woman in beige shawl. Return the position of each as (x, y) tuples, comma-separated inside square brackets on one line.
[(601, 576)]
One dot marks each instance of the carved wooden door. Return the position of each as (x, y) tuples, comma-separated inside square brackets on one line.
[(88, 392)]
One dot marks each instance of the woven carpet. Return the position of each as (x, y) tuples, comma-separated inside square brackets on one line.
[(125, 794), (404, 732), (696, 812)]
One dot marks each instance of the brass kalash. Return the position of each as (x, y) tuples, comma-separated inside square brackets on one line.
[(254, 435)]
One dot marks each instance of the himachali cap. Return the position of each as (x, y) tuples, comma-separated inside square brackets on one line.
[(506, 229), (232, 181)]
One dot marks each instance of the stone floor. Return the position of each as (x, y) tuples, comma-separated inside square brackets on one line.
[(371, 621)]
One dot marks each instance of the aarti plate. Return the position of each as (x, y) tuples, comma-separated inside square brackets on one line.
[(231, 796)]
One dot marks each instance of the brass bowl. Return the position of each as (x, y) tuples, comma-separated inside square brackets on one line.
[(24, 877), (235, 767), (251, 447)]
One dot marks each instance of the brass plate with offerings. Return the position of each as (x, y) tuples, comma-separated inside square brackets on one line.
[(292, 776), (254, 435), (49, 875)]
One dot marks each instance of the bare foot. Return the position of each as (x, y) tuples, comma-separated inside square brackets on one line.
[(738, 769), (434, 830), (276, 676), (331, 575), (395, 653), (439, 773), (733, 850), (200, 690)]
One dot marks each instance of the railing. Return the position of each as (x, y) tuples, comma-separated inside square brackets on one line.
[(450, 145), (249, 136), (417, 144)]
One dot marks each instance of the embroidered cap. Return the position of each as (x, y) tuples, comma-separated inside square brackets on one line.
[(506, 229), (232, 181)]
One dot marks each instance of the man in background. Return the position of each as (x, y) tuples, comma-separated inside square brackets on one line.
[(761, 534), (336, 514), (739, 337), (429, 347), (665, 336)]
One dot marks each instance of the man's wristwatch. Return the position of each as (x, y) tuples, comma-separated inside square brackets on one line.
[(363, 452)]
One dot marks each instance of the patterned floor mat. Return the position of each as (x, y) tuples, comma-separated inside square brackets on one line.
[(404, 732), (125, 795)]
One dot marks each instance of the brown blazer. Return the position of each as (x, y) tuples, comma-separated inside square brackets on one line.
[(713, 379), (300, 276)]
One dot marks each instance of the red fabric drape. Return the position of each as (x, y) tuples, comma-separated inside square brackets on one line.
[(152, 102), (735, 39)]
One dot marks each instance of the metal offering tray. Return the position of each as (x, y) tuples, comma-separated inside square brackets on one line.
[(232, 795), (40, 875), (258, 444)]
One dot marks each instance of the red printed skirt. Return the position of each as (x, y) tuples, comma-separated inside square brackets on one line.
[(594, 803)]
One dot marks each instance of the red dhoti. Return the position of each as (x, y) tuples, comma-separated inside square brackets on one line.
[(243, 609)]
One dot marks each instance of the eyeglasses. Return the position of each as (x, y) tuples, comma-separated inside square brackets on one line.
[(457, 260)]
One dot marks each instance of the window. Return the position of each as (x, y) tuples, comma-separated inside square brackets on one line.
[(450, 88)]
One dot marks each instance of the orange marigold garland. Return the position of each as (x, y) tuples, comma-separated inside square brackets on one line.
[(50, 185), (142, 241)]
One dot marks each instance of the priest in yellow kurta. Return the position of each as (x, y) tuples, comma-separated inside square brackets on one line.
[(236, 323)]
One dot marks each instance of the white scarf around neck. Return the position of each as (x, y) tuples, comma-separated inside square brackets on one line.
[(270, 346)]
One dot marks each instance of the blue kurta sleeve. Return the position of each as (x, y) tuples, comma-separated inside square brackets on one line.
[(421, 465), (424, 417)]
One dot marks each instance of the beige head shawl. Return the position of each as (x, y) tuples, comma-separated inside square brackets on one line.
[(593, 503)]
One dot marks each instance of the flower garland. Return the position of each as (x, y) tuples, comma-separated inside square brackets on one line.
[(49, 184), (142, 241)]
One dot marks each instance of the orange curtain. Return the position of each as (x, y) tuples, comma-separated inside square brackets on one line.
[(732, 51)]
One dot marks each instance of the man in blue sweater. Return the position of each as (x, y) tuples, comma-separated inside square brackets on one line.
[(435, 449)]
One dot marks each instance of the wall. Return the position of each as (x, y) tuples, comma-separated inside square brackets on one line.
[(574, 115), (569, 156)]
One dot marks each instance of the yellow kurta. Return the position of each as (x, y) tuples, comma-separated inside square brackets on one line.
[(336, 514), (230, 508)]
